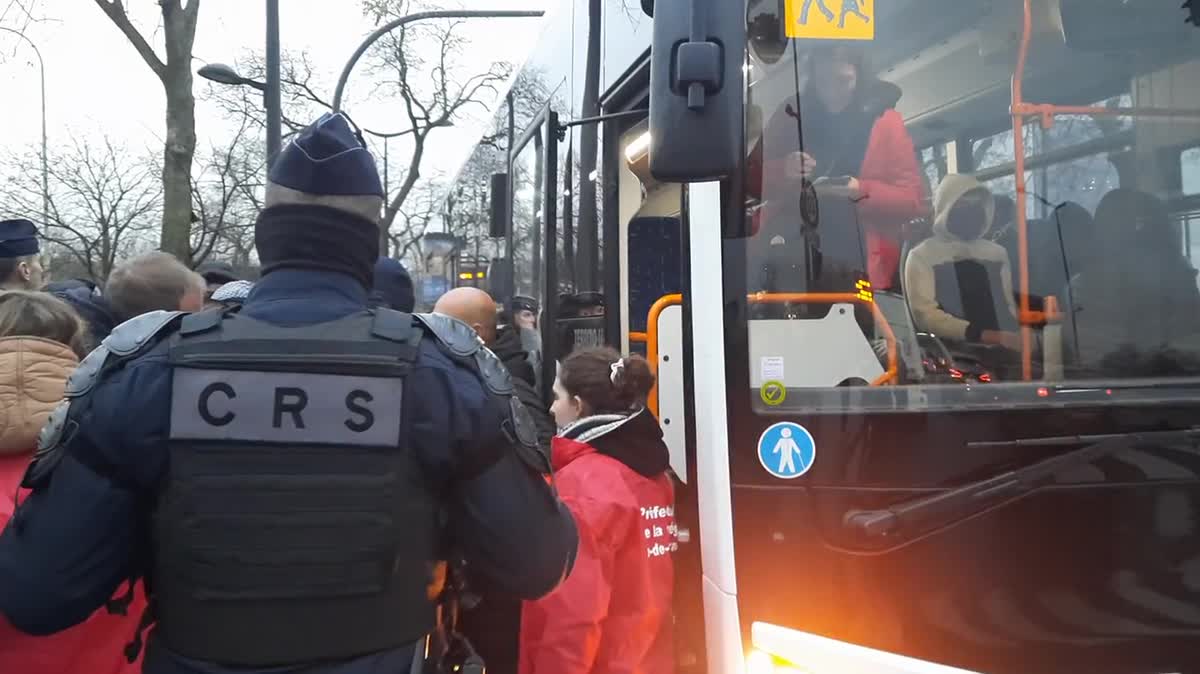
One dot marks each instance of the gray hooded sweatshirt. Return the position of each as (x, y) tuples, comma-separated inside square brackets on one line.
[(943, 273)]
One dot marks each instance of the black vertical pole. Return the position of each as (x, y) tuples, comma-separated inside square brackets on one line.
[(271, 97), (508, 209), (549, 246), (568, 216)]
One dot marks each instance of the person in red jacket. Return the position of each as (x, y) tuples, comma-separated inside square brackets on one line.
[(41, 341), (843, 133), (613, 613)]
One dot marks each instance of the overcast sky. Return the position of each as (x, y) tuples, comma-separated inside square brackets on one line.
[(96, 83)]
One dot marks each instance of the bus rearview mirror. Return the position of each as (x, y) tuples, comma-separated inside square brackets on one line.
[(696, 88), (498, 202)]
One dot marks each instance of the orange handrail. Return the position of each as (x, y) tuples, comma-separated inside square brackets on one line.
[(1018, 119), (652, 343), (892, 374), (650, 337), (638, 337), (1022, 110)]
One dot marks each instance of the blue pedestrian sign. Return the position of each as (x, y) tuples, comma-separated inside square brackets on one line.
[(786, 450)]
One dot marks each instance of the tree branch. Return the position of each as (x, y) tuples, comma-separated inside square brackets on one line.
[(116, 13)]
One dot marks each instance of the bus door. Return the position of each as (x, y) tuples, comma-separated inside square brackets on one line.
[(646, 278)]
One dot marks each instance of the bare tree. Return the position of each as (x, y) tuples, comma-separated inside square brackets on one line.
[(175, 73), (18, 15), (419, 211), (299, 84), (430, 94), (103, 201), (226, 196)]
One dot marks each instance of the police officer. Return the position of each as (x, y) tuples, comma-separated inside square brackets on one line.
[(286, 476)]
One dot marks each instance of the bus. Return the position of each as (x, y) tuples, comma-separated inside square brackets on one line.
[(918, 280)]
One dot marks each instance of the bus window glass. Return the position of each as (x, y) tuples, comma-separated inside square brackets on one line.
[(1189, 169), (933, 163), (856, 279), (527, 219)]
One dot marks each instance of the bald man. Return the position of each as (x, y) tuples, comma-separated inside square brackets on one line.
[(477, 309), (492, 626)]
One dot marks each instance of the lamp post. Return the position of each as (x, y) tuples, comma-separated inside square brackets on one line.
[(223, 74), (271, 95), (45, 144), (419, 16)]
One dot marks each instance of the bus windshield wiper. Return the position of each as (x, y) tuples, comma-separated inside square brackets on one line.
[(952, 506)]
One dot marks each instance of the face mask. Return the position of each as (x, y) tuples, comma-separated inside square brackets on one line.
[(967, 219)]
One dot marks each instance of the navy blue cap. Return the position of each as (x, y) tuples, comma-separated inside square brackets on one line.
[(18, 238), (217, 272), (393, 286), (327, 158)]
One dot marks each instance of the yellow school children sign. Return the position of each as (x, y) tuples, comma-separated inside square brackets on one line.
[(831, 19)]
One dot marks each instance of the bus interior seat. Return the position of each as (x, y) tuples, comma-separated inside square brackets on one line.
[(1138, 295), (895, 310)]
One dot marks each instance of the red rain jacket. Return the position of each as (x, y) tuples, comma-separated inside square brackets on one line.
[(613, 613)]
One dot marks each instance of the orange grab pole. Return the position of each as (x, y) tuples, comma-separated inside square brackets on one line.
[(638, 337), (892, 374), (652, 343), (1018, 120)]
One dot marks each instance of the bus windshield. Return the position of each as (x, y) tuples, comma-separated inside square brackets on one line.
[(969, 202)]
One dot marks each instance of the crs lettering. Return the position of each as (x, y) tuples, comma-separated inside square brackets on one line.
[(660, 530), (291, 407), (287, 400)]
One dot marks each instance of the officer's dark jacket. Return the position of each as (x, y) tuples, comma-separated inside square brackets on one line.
[(509, 349), (85, 529)]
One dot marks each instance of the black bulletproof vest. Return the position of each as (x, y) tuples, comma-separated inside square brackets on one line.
[(295, 525)]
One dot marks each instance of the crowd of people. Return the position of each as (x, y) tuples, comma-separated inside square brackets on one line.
[(205, 472)]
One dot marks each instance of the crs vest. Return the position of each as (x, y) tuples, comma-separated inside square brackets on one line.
[(295, 525)]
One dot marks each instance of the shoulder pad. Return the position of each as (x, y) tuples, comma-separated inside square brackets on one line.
[(457, 337), (84, 376), (51, 444), (524, 432), (130, 336), (493, 372), (126, 339)]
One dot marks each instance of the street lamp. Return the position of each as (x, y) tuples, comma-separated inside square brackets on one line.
[(45, 145), (223, 74), (419, 16)]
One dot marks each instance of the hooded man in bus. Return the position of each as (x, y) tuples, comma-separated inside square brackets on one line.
[(958, 283), (841, 133)]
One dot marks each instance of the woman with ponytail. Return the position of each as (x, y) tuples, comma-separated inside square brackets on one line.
[(613, 614)]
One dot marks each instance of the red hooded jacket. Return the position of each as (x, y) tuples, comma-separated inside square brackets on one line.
[(613, 613)]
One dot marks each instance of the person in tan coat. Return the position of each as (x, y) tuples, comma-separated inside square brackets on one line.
[(41, 342)]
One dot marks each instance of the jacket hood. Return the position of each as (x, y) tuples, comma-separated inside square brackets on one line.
[(509, 348), (635, 440), (33, 376), (953, 188)]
